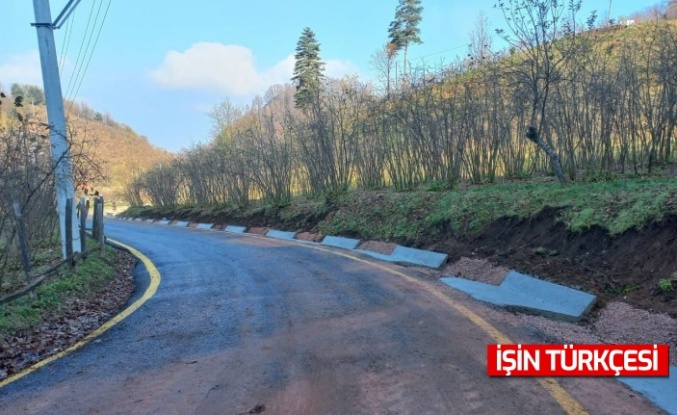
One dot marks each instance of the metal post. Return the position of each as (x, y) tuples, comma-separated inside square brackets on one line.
[(57, 121)]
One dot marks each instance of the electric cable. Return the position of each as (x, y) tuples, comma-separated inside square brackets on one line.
[(91, 53), (77, 66)]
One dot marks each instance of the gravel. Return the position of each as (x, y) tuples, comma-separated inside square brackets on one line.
[(385, 248), (476, 270)]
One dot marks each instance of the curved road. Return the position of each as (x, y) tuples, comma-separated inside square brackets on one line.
[(242, 322)]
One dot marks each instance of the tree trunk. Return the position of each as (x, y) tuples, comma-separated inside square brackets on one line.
[(533, 135)]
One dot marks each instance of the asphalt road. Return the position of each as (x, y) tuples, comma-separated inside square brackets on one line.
[(240, 321)]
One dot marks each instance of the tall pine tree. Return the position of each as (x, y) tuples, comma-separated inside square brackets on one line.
[(404, 29), (307, 69)]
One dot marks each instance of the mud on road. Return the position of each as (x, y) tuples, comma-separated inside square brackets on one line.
[(242, 323)]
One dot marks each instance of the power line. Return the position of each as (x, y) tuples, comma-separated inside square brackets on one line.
[(444, 51), (82, 44), (96, 41), (66, 44), (78, 77)]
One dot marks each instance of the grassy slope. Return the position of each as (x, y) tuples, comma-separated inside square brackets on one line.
[(403, 216), (89, 277)]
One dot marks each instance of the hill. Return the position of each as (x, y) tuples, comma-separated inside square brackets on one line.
[(119, 152), (462, 161)]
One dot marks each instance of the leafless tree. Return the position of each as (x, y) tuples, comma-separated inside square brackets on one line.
[(543, 33), (383, 62)]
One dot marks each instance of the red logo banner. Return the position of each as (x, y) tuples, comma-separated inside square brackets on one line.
[(578, 360)]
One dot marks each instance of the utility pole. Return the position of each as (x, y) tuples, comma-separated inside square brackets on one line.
[(56, 115)]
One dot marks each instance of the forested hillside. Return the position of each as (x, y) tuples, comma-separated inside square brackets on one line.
[(555, 157), (576, 101), (118, 154)]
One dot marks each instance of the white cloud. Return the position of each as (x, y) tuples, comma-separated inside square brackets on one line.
[(335, 68), (230, 69), (21, 69)]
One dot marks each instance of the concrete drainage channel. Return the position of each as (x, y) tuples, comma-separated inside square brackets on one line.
[(517, 292)]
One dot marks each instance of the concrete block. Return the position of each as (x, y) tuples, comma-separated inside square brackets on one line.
[(204, 226), (559, 299), (235, 229), (477, 290), (418, 256), (413, 256), (280, 234), (340, 242), (181, 223), (163, 222), (660, 391), (376, 255), (527, 294)]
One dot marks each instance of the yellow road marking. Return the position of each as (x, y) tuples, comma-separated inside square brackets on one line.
[(570, 405), (150, 292)]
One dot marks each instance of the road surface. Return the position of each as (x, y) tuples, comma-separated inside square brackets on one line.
[(240, 323)]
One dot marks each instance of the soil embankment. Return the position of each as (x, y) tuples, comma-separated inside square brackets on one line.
[(628, 267)]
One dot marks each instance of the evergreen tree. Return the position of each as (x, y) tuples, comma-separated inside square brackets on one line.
[(404, 29), (307, 69), (17, 91), (34, 95)]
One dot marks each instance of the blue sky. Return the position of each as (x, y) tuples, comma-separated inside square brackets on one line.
[(159, 65)]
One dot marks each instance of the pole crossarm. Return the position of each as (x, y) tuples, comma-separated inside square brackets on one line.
[(63, 16)]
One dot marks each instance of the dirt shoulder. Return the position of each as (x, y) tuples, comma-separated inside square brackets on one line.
[(75, 319)]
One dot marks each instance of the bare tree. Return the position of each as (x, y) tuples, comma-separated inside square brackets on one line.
[(223, 116), (383, 62), (543, 34), (594, 107)]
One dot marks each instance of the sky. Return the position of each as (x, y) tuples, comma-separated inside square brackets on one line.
[(160, 65)]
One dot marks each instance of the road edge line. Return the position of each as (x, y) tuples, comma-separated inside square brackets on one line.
[(567, 402), (152, 288)]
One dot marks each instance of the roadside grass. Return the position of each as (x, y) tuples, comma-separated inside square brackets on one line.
[(45, 254), (81, 282), (615, 205)]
